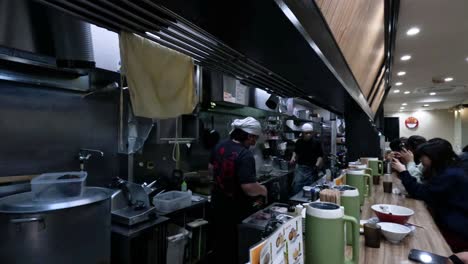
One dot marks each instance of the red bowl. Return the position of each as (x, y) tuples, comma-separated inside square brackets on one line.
[(392, 213)]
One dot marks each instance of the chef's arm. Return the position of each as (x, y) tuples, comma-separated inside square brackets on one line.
[(293, 158), (210, 170), (319, 162), (254, 189)]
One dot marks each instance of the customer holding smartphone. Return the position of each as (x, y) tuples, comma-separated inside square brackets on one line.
[(444, 191), (409, 156)]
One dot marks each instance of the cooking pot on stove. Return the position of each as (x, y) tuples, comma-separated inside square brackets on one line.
[(69, 230)]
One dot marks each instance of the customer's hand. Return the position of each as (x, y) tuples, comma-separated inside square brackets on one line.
[(398, 166), (406, 156), (463, 256)]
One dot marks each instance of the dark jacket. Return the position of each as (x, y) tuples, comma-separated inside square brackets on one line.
[(464, 160), (447, 195)]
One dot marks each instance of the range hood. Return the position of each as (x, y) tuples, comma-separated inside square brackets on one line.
[(228, 91), (34, 34)]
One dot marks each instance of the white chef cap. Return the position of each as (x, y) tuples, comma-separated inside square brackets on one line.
[(307, 127), (249, 125)]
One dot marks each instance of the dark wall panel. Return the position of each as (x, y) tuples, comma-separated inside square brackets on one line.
[(42, 130), (362, 137), (392, 128)]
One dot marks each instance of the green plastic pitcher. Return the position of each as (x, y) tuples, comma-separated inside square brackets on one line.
[(362, 167), (325, 234), (377, 167), (360, 180), (352, 207)]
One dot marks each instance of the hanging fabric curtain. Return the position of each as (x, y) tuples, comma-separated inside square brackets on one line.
[(160, 80)]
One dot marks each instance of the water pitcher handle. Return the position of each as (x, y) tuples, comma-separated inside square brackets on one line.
[(355, 239), (368, 182), (380, 167)]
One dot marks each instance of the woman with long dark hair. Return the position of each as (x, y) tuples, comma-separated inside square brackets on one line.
[(464, 159), (445, 190)]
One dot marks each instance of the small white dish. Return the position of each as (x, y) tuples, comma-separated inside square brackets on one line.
[(394, 232), (361, 226)]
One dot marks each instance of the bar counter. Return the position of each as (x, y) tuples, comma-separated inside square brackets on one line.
[(427, 238)]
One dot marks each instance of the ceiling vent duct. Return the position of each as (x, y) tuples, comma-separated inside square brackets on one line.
[(37, 33), (72, 40)]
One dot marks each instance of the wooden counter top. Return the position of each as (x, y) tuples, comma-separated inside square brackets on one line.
[(427, 239)]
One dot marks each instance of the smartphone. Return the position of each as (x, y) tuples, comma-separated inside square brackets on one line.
[(426, 257)]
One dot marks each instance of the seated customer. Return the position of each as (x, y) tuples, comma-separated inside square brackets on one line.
[(410, 157), (398, 144), (444, 192), (464, 159)]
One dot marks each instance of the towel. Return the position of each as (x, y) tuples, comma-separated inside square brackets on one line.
[(160, 80)]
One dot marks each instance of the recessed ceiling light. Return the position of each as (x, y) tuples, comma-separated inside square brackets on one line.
[(433, 93), (405, 57), (398, 83), (396, 91), (407, 92), (413, 31), (425, 105), (448, 79), (466, 58), (401, 73), (402, 108), (404, 104)]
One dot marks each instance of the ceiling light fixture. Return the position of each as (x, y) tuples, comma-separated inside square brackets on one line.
[(152, 35), (405, 57), (433, 93), (425, 105), (407, 92), (404, 104), (402, 108), (401, 73), (413, 31), (398, 83), (396, 91), (448, 79)]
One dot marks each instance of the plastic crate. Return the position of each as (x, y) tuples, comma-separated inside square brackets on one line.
[(170, 201), (60, 185)]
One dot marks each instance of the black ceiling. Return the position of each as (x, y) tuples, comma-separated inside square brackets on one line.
[(257, 41), (261, 31)]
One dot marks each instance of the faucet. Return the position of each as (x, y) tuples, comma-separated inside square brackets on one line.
[(84, 155)]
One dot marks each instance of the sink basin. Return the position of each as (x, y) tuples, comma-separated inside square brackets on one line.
[(140, 209)]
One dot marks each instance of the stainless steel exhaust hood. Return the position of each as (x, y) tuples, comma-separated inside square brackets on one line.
[(36, 33), (229, 91)]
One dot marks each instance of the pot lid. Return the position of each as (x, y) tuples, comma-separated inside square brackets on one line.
[(24, 202)]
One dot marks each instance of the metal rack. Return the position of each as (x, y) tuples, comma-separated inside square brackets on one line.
[(162, 26)]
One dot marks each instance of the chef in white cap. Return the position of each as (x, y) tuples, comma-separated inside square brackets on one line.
[(308, 155), (232, 165)]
